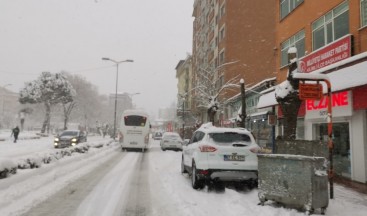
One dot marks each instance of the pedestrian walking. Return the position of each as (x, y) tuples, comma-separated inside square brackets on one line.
[(15, 133)]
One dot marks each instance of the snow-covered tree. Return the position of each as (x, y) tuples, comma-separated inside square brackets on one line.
[(207, 92), (287, 96), (49, 89), (88, 104)]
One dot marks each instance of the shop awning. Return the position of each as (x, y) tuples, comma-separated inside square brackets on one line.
[(342, 79), (348, 77), (267, 100)]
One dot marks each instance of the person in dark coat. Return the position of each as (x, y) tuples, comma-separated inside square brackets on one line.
[(15, 132)]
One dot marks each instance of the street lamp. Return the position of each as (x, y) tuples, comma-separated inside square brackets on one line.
[(117, 75)]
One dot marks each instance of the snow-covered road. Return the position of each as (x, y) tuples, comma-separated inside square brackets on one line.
[(107, 181)]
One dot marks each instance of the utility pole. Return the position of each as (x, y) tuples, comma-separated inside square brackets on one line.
[(183, 118), (243, 100)]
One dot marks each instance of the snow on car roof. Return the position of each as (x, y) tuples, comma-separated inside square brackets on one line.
[(209, 128)]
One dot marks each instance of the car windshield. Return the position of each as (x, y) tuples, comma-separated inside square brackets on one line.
[(69, 133), (229, 137)]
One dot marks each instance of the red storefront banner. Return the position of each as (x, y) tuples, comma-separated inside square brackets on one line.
[(360, 98), (337, 51)]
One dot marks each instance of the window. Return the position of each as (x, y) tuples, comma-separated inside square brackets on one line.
[(222, 10), (222, 33), (330, 27), (286, 6), (363, 13), (298, 41), (221, 58), (135, 120), (229, 137)]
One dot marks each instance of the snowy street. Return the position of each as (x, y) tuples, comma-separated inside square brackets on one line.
[(107, 181)]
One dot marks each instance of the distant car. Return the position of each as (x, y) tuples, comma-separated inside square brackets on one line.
[(217, 155), (171, 141), (70, 138), (157, 135)]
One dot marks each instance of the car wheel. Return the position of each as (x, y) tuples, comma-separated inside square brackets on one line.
[(183, 170), (195, 182), (163, 149)]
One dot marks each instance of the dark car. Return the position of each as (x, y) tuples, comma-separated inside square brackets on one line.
[(157, 135), (70, 138)]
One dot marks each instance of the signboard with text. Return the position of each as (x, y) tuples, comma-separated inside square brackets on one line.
[(310, 91), (334, 52), (341, 104)]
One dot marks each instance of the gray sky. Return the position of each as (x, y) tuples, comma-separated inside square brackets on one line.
[(73, 36)]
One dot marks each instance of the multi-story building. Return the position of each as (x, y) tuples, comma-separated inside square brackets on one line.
[(124, 102), (184, 94), (232, 39), (9, 108), (331, 38)]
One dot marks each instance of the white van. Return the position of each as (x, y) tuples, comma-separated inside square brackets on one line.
[(134, 130)]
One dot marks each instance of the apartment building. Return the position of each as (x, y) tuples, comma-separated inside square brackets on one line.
[(331, 38), (232, 39)]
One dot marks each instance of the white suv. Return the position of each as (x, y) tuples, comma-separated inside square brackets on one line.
[(218, 155)]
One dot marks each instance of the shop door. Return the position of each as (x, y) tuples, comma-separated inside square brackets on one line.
[(341, 156)]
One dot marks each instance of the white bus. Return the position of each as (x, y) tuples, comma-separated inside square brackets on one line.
[(134, 130)]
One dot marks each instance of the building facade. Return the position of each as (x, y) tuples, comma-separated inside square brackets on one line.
[(331, 38), (123, 102), (232, 40)]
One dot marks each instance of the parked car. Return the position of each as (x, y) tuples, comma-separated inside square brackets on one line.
[(70, 138), (216, 155), (171, 141), (157, 135)]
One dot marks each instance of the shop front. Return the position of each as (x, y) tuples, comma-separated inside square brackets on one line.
[(349, 133)]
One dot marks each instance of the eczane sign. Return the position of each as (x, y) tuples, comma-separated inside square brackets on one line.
[(340, 101)]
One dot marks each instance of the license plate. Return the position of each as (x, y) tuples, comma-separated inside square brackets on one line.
[(133, 143), (234, 157)]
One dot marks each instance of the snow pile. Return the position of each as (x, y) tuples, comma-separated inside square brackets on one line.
[(5, 135), (8, 166), (283, 89)]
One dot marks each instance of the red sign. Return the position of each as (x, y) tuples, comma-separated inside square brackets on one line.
[(310, 91), (337, 51), (338, 99), (169, 127)]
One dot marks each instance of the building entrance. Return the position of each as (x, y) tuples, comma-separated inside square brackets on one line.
[(341, 141)]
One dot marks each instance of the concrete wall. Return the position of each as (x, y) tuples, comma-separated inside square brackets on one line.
[(358, 146)]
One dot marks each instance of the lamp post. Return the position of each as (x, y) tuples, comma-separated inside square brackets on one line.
[(243, 102), (183, 118), (117, 75)]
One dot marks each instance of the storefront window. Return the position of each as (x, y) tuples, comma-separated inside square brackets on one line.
[(300, 131), (341, 141)]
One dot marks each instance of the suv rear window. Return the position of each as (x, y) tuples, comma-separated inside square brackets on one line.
[(135, 120), (229, 137)]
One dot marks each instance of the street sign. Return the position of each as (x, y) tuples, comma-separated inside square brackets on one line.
[(309, 91)]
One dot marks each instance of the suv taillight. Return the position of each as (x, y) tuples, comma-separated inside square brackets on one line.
[(207, 148)]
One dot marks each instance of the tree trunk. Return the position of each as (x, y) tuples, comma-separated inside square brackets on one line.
[(290, 106), (211, 115), (46, 122)]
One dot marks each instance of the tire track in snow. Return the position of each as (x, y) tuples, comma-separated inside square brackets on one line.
[(139, 203)]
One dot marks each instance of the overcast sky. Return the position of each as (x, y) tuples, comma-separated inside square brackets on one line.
[(73, 36)]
